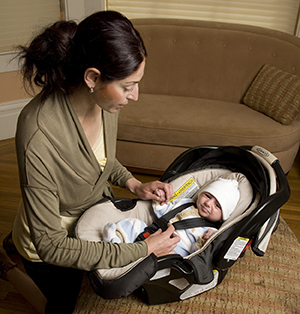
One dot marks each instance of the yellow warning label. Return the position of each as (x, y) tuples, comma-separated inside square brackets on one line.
[(185, 189), (243, 239)]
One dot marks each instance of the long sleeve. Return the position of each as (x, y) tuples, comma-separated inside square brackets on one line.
[(59, 175)]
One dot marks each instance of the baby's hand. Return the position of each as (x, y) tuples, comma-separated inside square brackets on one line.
[(161, 194), (208, 234), (197, 245)]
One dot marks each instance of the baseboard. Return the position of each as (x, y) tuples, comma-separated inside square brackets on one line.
[(9, 113)]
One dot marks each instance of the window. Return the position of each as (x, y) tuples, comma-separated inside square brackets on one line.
[(275, 14)]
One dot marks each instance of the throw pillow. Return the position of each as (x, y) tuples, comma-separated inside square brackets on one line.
[(275, 93)]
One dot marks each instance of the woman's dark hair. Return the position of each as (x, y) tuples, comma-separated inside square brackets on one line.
[(58, 57)]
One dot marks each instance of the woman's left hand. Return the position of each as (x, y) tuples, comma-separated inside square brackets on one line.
[(155, 190)]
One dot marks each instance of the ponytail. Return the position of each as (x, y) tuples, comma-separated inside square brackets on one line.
[(42, 61), (57, 58)]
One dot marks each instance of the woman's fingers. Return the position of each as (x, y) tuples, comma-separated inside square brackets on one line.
[(162, 243)]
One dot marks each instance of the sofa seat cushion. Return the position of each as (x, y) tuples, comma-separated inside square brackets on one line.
[(188, 122)]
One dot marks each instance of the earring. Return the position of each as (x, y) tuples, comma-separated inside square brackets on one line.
[(91, 90)]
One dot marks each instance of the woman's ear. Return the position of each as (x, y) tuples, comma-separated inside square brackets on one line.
[(91, 75)]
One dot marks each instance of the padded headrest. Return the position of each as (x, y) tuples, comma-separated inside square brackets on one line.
[(205, 176)]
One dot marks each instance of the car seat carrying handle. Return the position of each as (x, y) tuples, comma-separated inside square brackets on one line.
[(162, 222)]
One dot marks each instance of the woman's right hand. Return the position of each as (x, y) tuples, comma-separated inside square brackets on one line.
[(162, 243)]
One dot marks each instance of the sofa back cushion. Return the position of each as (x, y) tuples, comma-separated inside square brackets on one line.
[(211, 60)]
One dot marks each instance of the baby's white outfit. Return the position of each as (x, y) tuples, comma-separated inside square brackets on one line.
[(127, 230), (224, 190)]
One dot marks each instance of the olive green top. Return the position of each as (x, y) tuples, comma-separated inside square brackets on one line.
[(61, 177)]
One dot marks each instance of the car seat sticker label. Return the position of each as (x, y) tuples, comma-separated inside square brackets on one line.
[(187, 190), (236, 248)]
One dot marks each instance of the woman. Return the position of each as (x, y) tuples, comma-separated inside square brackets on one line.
[(66, 143)]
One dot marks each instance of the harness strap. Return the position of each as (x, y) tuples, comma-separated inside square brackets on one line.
[(194, 223), (172, 213), (162, 222)]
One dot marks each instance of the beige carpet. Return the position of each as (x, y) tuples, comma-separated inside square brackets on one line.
[(269, 284)]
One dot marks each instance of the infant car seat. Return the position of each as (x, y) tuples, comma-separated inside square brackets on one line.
[(263, 187)]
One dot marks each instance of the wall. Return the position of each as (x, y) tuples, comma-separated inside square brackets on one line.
[(12, 95), (12, 100)]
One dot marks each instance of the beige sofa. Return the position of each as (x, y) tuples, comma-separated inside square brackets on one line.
[(193, 92)]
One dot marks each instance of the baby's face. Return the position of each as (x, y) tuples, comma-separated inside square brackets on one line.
[(208, 207)]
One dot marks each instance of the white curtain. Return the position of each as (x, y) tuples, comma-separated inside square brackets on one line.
[(21, 19), (275, 14)]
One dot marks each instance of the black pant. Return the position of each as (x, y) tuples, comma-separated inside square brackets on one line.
[(59, 285)]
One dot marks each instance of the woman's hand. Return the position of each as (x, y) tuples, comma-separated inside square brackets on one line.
[(162, 243), (155, 190)]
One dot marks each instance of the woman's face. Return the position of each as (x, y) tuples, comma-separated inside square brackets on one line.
[(114, 96)]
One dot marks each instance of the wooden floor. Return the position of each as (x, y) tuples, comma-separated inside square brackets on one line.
[(10, 300)]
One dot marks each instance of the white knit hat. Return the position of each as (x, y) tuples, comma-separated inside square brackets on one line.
[(226, 192)]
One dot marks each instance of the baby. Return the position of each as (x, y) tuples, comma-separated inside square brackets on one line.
[(215, 202)]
